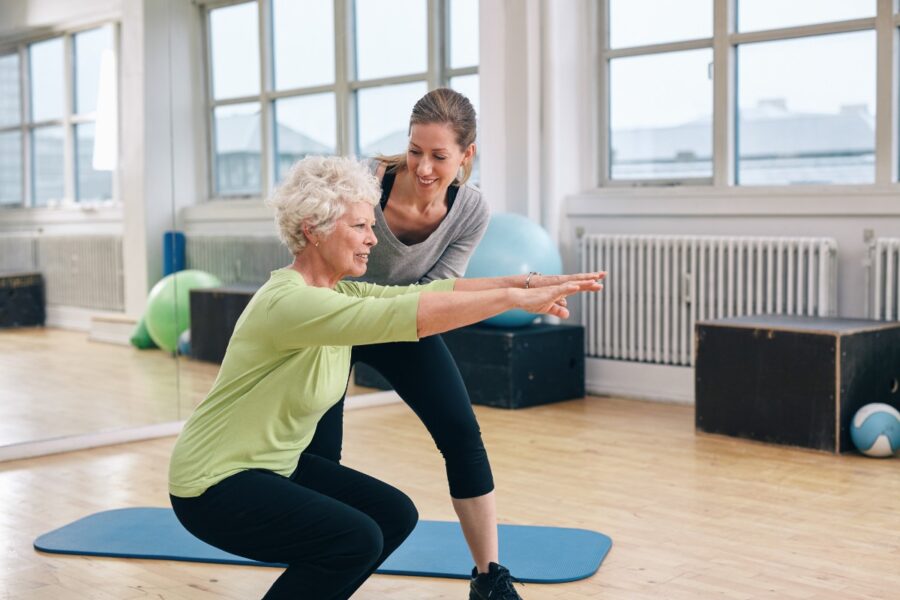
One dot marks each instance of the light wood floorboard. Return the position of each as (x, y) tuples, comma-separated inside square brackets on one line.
[(691, 516)]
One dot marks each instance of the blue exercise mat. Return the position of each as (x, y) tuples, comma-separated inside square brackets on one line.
[(434, 549)]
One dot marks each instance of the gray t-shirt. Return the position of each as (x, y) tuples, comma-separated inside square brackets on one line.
[(446, 252)]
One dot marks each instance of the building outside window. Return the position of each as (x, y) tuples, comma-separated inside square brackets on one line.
[(795, 98), (289, 79)]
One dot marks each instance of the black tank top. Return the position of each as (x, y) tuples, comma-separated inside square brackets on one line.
[(387, 182)]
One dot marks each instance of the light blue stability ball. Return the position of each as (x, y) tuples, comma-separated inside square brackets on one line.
[(514, 245), (875, 430)]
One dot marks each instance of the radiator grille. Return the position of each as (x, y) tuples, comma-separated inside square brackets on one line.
[(660, 286), (236, 259), (83, 271), (884, 265)]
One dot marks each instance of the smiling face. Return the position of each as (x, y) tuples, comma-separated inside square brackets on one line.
[(434, 158), (346, 249)]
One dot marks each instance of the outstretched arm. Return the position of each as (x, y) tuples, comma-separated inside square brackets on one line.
[(518, 281), (442, 311)]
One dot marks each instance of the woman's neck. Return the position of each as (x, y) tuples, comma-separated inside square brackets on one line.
[(312, 268), (408, 195)]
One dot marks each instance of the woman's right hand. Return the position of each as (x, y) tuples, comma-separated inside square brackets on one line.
[(551, 300)]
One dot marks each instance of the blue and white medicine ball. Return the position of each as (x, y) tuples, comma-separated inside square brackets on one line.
[(875, 430)]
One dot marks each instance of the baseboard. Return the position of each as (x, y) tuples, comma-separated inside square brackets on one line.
[(75, 318), (662, 383), (113, 329), (371, 399)]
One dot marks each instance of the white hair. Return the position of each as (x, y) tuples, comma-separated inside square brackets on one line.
[(316, 192)]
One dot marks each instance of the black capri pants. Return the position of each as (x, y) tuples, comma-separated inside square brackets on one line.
[(426, 377), (332, 526)]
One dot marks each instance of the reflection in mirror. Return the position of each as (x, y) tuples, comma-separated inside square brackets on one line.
[(80, 232)]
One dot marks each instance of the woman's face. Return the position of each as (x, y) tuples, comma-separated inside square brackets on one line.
[(346, 249), (434, 157)]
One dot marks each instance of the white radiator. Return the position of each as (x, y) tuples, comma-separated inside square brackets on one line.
[(244, 259), (18, 252), (884, 279), (84, 271), (659, 286)]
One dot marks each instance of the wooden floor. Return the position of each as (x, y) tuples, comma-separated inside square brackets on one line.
[(56, 383), (691, 517)]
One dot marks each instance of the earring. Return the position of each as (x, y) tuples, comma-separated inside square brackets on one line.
[(317, 244)]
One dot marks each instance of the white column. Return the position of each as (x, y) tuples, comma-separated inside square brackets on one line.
[(162, 132)]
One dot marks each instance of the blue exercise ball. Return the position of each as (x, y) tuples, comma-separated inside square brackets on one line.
[(875, 430), (514, 245), (184, 343)]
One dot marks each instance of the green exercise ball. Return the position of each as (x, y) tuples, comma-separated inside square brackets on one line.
[(168, 306), (140, 338)]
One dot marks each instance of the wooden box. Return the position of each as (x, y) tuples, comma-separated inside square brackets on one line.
[(511, 367), (214, 313), (22, 300), (793, 380)]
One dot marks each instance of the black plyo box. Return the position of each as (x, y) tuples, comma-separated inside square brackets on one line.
[(793, 380), (22, 300), (214, 313), (511, 367)]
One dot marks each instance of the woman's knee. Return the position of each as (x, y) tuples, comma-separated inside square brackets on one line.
[(407, 515), (356, 550)]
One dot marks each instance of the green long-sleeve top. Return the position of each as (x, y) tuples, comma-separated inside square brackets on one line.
[(286, 365)]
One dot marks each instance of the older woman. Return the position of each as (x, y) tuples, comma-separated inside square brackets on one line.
[(239, 477)]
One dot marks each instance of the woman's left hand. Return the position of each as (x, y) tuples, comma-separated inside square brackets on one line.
[(538, 281)]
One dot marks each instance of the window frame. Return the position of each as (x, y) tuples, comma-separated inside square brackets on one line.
[(724, 44), (344, 88), (69, 120)]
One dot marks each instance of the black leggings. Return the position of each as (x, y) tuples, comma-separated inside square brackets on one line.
[(425, 375), (331, 525)]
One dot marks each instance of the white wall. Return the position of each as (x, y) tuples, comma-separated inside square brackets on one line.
[(30, 17)]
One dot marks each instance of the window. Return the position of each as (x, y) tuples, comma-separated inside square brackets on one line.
[(813, 122), (287, 80), (791, 100), (659, 66), (49, 145), (11, 166)]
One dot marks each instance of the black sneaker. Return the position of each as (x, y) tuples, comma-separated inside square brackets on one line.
[(496, 584)]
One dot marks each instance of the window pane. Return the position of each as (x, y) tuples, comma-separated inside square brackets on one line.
[(384, 117), (812, 119), (640, 22), (89, 47), (656, 134), (463, 33), (391, 38), (11, 191), (304, 125), (47, 165), (754, 15), (234, 47), (47, 80), (91, 183), (238, 150), (303, 43), (9, 90), (468, 87)]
